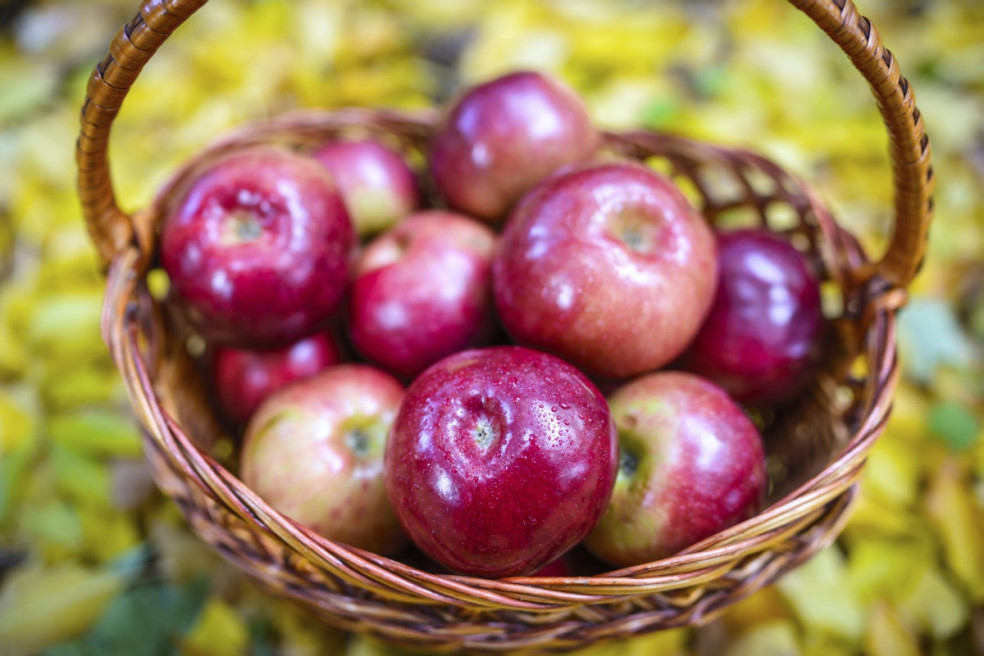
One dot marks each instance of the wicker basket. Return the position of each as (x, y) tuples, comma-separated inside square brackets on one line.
[(817, 447)]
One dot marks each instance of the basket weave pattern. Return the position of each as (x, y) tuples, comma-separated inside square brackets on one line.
[(816, 447)]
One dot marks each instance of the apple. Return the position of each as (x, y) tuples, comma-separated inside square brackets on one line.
[(243, 378), (606, 266), (422, 291), (500, 460), (375, 182), (257, 248), (691, 464), (500, 138), (558, 568), (314, 451), (761, 338)]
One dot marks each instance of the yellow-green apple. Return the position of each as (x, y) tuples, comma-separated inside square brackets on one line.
[(500, 460), (314, 451), (691, 464), (606, 266)]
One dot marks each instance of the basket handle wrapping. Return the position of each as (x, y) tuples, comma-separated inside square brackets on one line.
[(135, 43)]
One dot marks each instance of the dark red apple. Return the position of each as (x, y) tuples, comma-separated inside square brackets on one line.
[(691, 464), (376, 183), (243, 378), (502, 137), (314, 451), (608, 267), (761, 339), (257, 248), (500, 460), (422, 291), (559, 568)]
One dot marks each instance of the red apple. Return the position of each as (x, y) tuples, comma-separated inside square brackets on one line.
[(761, 339), (691, 465), (314, 451), (558, 568), (606, 266), (502, 137), (243, 378), (376, 183), (500, 460), (257, 248), (423, 291)]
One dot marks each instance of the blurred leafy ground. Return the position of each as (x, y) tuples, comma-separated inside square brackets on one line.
[(94, 561)]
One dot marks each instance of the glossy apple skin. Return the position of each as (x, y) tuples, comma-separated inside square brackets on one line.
[(422, 291), (692, 464), (243, 378), (502, 137), (762, 336), (314, 451), (606, 266), (257, 248), (500, 460), (376, 184)]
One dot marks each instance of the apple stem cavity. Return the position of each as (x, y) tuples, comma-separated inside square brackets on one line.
[(636, 230), (628, 463), (632, 238), (483, 433), (635, 240), (358, 441), (243, 227)]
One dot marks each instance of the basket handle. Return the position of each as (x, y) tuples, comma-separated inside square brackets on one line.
[(112, 229)]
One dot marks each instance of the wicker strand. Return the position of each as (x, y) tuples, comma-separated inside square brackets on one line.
[(909, 145), (132, 47)]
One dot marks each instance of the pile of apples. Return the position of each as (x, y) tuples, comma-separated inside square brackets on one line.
[(427, 367)]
